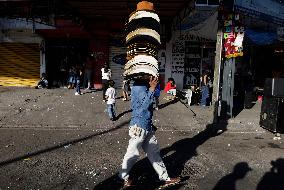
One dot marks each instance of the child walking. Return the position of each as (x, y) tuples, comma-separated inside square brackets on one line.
[(110, 96)]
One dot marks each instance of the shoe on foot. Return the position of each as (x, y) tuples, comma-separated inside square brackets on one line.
[(77, 93), (170, 182), (128, 183)]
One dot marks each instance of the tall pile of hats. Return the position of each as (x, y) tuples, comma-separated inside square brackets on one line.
[(142, 41)]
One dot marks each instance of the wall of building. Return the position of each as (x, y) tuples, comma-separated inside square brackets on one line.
[(22, 52), (20, 30), (117, 60), (184, 58)]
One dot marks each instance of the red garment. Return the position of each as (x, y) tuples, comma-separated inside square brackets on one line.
[(169, 87)]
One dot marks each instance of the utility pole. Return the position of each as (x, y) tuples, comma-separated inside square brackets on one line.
[(217, 72)]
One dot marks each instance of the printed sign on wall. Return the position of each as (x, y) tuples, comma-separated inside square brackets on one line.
[(233, 35)]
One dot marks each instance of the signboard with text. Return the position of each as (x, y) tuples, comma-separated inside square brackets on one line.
[(233, 36)]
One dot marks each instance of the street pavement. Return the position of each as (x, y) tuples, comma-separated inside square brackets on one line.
[(52, 139)]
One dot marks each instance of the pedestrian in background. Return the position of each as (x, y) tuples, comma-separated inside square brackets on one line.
[(142, 133), (43, 82), (88, 72), (106, 76), (170, 87), (125, 89), (157, 94), (78, 80), (204, 88), (110, 96), (72, 78)]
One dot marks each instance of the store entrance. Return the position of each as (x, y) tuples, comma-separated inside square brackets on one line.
[(199, 61), (61, 56)]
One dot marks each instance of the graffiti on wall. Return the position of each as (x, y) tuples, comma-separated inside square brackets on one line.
[(178, 58), (192, 38), (178, 63)]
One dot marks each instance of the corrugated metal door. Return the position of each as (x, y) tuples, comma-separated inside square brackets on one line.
[(19, 64), (117, 60)]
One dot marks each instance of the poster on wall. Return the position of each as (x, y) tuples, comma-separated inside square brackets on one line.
[(162, 61), (177, 65), (233, 35), (191, 73), (192, 64)]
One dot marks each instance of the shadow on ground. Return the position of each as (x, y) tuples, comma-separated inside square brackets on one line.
[(161, 106), (61, 145), (274, 179), (174, 156), (122, 114), (229, 181)]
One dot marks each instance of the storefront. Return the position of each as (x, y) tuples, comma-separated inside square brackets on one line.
[(249, 52), (191, 52)]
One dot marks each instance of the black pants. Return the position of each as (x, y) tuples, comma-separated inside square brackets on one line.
[(105, 86)]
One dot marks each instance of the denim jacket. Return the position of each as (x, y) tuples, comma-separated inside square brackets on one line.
[(142, 106)]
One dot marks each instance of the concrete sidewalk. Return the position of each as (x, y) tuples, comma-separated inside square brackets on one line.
[(51, 139)]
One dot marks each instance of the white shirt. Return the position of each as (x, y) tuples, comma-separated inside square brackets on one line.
[(110, 93), (106, 75)]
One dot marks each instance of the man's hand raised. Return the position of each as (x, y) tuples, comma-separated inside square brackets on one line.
[(153, 83)]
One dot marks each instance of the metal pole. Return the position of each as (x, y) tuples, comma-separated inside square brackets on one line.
[(201, 65), (233, 68), (217, 70)]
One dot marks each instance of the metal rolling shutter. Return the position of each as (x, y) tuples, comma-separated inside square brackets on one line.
[(117, 61), (19, 64)]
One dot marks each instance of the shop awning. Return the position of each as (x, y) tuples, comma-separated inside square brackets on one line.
[(261, 37)]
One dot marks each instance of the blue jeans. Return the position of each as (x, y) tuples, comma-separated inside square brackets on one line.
[(204, 95), (78, 86), (156, 102), (111, 110)]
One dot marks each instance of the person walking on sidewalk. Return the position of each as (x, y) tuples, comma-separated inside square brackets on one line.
[(110, 96), (78, 80), (88, 72), (125, 89), (142, 133), (106, 76)]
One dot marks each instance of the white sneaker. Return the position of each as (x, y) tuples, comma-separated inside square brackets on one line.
[(77, 93)]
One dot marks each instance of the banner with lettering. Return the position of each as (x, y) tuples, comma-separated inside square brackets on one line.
[(233, 35)]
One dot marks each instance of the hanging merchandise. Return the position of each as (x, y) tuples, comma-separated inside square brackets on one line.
[(233, 35)]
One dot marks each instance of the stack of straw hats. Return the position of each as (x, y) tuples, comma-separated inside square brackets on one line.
[(142, 41)]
